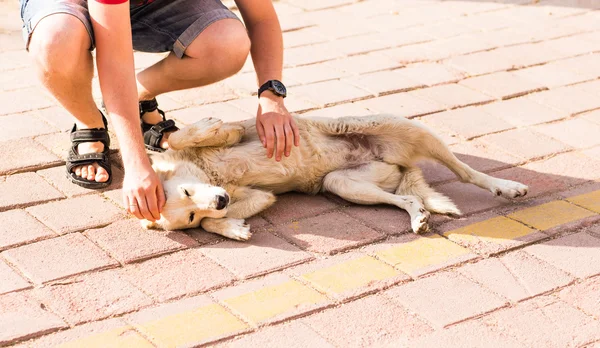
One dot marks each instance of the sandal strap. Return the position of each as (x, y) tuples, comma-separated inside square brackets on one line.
[(74, 160), (154, 135), (148, 106), (90, 135)]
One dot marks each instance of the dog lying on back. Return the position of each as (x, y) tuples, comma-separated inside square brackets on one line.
[(216, 174)]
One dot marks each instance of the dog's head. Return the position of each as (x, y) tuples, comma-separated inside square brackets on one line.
[(189, 198)]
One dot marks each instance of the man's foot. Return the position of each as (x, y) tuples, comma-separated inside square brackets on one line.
[(153, 117), (91, 172), (155, 126)]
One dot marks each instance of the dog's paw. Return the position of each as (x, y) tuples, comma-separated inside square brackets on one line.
[(237, 229), (419, 222), (208, 125), (508, 189)]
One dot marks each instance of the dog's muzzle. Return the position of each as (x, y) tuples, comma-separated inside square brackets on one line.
[(222, 202)]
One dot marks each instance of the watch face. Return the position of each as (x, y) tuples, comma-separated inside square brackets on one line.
[(279, 87)]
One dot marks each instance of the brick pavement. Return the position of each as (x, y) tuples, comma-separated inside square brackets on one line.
[(512, 85)]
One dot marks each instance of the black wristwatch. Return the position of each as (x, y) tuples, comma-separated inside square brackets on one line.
[(274, 86)]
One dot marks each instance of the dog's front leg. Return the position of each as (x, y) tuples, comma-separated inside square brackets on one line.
[(206, 132), (246, 202)]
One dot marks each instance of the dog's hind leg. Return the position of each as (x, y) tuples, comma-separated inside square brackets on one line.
[(370, 184), (413, 183), (207, 132)]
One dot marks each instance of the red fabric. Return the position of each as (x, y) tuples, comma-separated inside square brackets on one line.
[(111, 2)]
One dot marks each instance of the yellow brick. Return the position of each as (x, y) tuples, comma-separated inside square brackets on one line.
[(123, 337), (350, 275), (552, 214), (271, 301), (495, 230), (192, 327), (422, 253), (589, 201)]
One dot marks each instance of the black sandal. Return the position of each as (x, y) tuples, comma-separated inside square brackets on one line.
[(74, 159), (153, 133)]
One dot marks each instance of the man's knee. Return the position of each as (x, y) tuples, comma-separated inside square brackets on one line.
[(226, 42), (58, 43)]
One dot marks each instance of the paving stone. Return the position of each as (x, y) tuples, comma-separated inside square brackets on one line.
[(522, 112), (24, 154), (23, 318), (92, 297), (453, 95), (127, 241), (25, 189), (539, 183), (525, 143), (573, 45), (493, 235), (355, 324), (328, 233), (24, 77), (441, 298), (340, 110), (314, 73), (24, 125), (10, 280), (593, 116), (481, 63), (462, 44), (502, 85), (111, 332), (586, 65), (385, 218), (590, 201), (418, 255), (76, 214), (294, 206), (552, 214), (223, 111), (56, 116), (263, 253), (583, 296), (382, 82), (571, 168), (547, 322), (468, 122), (17, 227), (349, 275), (175, 275), (592, 87), (569, 99), (57, 177), (470, 198), (23, 100), (472, 333), (302, 37), (482, 157), (271, 299), (431, 74), (330, 92), (312, 54), (293, 335), (187, 322), (58, 258), (361, 44), (406, 104), (213, 93), (577, 254), (551, 75), (578, 133), (293, 103), (416, 53), (365, 63)]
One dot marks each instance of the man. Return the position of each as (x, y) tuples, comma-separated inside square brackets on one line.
[(207, 43)]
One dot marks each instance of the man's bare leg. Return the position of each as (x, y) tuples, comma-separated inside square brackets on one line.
[(59, 47), (217, 53)]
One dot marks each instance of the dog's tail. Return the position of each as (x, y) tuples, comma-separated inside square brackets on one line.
[(413, 183)]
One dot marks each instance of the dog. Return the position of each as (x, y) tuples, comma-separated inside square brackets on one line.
[(216, 174)]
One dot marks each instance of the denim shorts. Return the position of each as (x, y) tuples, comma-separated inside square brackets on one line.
[(157, 26)]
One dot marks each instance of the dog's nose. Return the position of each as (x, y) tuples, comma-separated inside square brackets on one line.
[(222, 201)]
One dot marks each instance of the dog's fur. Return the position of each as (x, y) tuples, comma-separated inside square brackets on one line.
[(216, 175)]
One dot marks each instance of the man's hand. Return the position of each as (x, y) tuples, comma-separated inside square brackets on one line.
[(143, 192), (276, 128)]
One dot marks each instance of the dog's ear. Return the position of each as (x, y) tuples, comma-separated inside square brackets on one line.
[(149, 225)]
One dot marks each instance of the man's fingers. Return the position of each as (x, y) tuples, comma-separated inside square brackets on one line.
[(270, 139), (132, 206), (162, 199), (152, 201), (280, 135), (289, 139), (261, 133), (143, 206), (296, 132)]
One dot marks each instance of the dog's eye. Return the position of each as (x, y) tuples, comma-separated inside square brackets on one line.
[(186, 192), (192, 217)]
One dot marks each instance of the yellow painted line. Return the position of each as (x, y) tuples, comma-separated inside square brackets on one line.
[(589, 201), (193, 327), (418, 256), (549, 215), (350, 275), (496, 230), (272, 301), (123, 337)]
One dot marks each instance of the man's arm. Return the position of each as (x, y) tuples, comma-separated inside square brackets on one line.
[(142, 191), (273, 120)]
